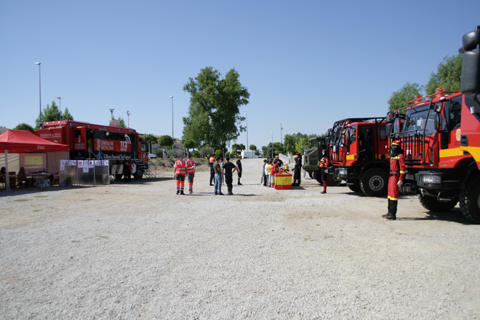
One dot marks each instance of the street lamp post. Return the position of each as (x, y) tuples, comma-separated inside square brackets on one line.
[(128, 115), (111, 111), (272, 144), (173, 139), (281, 134), (39, 88), (60, 105), (248, 147)]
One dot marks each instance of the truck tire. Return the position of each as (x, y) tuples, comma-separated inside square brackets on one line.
[(310, 173), (432, 204), (355, 187), (138, 174), (470, 200), (332, 181), (374, 182), (318, 176)]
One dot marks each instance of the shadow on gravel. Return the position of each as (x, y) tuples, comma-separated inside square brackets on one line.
[(20, 192), (455, 215), (211, 194)]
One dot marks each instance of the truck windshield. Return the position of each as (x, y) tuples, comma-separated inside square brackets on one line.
[(416, 120)]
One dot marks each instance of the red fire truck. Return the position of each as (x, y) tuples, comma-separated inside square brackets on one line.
[(358, 152), (440, 135), (99, 142)]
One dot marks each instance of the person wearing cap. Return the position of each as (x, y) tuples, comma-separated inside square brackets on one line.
[(180, 169), (190, 173), (395, 181), (211, 161), (324, 164)]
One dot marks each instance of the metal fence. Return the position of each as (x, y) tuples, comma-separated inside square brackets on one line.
[(84, 172)]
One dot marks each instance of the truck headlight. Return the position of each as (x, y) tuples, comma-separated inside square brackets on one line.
[(431, 179), (342, 172)]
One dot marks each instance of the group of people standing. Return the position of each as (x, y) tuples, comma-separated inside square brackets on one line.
[(183, 169), (222, 171), (270, 167)]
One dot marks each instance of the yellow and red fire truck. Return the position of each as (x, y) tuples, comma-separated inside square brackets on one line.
[(95, 141), (358, 151), (440, 136)]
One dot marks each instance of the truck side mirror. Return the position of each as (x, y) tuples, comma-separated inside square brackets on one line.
[(388, 129), (471, 62)]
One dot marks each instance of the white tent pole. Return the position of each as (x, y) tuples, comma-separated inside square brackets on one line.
[(7, 175)]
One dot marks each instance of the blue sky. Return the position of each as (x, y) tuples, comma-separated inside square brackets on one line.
[(306, 64)]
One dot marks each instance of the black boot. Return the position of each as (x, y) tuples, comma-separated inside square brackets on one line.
[(392, 210), (239, 182), (181, 192), (390, 216)]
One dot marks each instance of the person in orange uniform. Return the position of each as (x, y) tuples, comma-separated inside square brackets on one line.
[(395, 182), (324, 164), (211, 161), (180, 172), (190, 173)]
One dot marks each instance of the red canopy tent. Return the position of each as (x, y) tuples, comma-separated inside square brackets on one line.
[(19, 141)]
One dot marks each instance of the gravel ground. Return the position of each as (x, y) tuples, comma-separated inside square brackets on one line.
[(138, 251)]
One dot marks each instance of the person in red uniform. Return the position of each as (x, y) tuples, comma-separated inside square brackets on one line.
[(324, 164), (180, 172), (395, 182), (190, 173)]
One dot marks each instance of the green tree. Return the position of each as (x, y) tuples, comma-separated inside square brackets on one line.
[(206, 150), (189, 144), (253, 147), (448, 75), (265, 151), (49, 113), (302, 145), (66, 115), (150, 139), (400, 98), (214, 115), (165, 141), (24, 126)]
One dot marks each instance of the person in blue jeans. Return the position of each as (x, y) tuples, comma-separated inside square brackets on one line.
[(217, 168)]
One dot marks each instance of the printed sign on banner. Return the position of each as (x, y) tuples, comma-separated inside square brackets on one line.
[(62, 167), (85, 169), (72, 163), (91, 163), (80, 163), (98, 163), (106, 163)]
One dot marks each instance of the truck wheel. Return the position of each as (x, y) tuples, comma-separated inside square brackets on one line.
[(374, 182), (310, 173), (118, 177), (332, 181), (432, 204), (138, 174), (470, 200), (318, 176), (355, 187)]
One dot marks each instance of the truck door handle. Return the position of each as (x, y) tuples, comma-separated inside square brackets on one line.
[(464, 140)]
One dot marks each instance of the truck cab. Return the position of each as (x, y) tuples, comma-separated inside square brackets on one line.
[(359, 152)]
